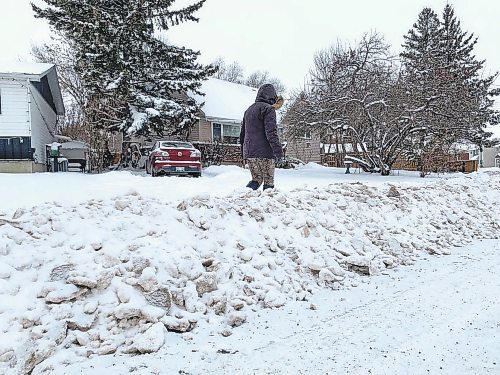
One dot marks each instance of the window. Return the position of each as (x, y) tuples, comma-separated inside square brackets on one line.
[(227, 133), (16, 148), (176, 144), (231, 133), (216, 132), (307, 134)]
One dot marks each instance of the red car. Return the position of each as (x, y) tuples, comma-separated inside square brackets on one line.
[(173, 157)]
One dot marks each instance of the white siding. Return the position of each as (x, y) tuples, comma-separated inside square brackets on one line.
[(43, 118), (14, 119), (489, 156)]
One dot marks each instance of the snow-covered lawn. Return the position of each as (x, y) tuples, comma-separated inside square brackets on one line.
[(212, 278), (72, 188)]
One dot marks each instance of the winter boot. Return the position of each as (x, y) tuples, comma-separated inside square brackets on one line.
[(253, 185), (265, 187)]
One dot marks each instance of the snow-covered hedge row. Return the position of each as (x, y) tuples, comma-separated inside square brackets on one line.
[(118, 275)]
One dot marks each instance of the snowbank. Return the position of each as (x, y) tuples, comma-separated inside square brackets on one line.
[(125, 275)]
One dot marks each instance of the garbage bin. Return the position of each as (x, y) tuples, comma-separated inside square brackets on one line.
[(54, 153)]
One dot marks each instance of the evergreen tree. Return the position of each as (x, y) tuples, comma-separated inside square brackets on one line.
[(135, 82), (439, 63), (422, 59), (421, 47), (472, 100)]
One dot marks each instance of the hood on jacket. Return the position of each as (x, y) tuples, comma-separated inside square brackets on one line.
[(266, 94)]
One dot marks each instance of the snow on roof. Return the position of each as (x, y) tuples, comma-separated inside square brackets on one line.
[(464, 146), (74, 145), (225, 100), (24, 68)]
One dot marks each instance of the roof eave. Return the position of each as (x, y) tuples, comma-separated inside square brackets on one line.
[(224, 120), (56, 90), (22, 76), (26, 76)]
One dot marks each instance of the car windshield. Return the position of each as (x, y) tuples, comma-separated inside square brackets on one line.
[(176, 144)]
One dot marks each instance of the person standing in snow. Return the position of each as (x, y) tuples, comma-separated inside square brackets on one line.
[(259, 139)]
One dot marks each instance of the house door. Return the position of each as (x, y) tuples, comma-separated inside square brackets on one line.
[(497, 162)]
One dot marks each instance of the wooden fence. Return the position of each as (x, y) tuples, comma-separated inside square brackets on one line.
[(438, 165)]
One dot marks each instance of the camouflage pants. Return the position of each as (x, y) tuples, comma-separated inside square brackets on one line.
[(262, 171)]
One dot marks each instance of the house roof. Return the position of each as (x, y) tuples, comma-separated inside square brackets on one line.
[(35, 72), (23, 69), (74, 145), (225, 101)]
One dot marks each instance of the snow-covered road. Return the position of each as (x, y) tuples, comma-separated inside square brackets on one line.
[(440, 316)]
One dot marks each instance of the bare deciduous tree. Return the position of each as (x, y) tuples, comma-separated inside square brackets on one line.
[(358, 93), (232, 72), (258, 78)]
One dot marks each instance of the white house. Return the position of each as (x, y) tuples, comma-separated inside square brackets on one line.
[(490, 156), (30, 101)]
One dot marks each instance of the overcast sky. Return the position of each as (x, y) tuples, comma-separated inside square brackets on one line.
[(280, 36)]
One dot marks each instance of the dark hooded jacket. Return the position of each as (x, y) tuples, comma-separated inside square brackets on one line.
[(259, 132)]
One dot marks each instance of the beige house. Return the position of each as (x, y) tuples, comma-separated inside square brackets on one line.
[(224, 104), (306, 147), (304, 144)]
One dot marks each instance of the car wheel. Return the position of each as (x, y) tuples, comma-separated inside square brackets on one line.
[(153, 173), (197, 174)]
